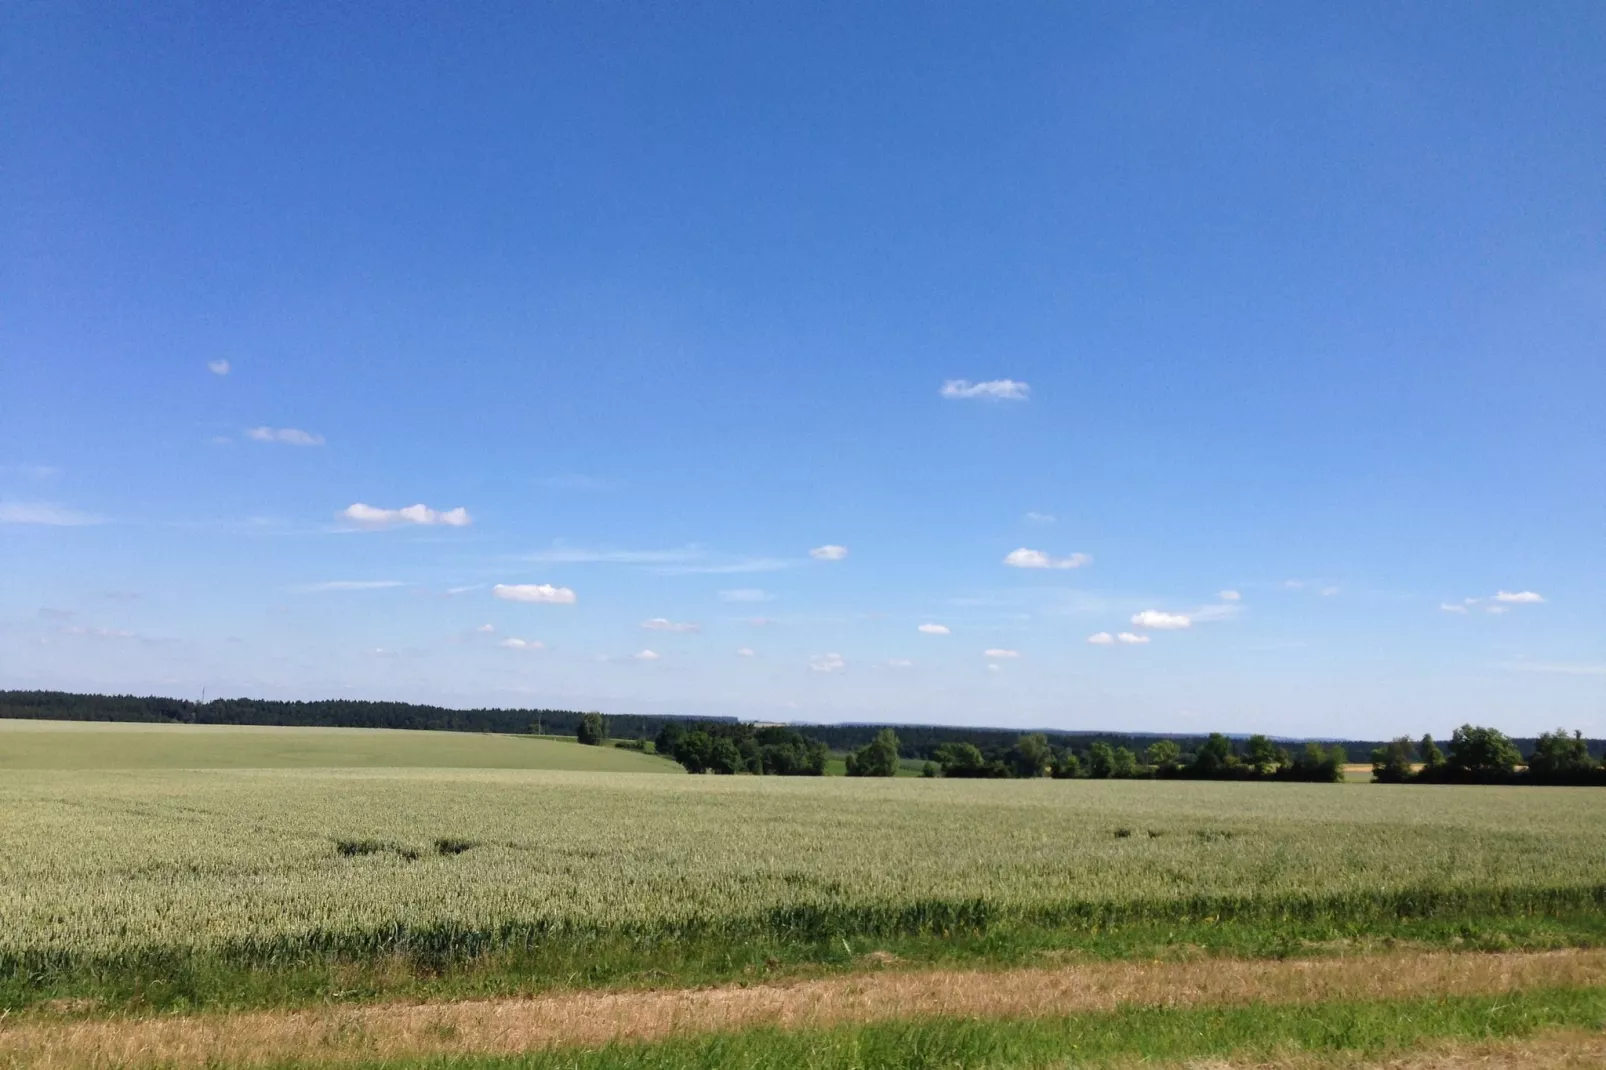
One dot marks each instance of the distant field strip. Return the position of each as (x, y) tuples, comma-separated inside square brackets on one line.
[(275, 866), (589, 1020), (101, 745)]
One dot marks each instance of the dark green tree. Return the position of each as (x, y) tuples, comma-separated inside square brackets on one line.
[(1031, 756), (1067, 766), (1263, 755), (1101, 761), (593, 730), (1561, 759), (1391, 763), (1481, 756), (1214, 757), (1164, 755), (879, 757), (1123, 763), (1431, 757)]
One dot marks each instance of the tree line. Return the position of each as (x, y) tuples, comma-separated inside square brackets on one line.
[(1215, 758), (1478, 755)]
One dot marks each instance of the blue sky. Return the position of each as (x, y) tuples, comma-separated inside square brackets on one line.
[(650, 307)]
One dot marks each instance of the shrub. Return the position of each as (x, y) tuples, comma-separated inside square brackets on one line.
[(593, 730), (879, 757), (1391, 764)]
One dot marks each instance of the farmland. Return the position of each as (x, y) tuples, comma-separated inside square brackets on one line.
[(101, 745), (151, 870)]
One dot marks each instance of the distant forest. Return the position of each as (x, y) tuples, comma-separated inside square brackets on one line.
[(914, 741)]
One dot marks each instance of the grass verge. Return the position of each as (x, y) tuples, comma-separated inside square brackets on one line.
[(1149, 1035), (182, 983)]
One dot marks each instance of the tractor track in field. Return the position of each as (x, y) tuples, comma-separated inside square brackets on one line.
[(512, 1025)]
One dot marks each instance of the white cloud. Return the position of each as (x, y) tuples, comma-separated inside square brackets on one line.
[(993, 668), (453, 592), (1101, 639), (663, 624), (827, 663), (288, 436), (1328, 592), (522, 644), (992, 389), (44, 513), (900, 663), (744, 652), (1000, 652), (744, 594), (933, 629), (829, 552), (1128, 637), (1229, 595), (351, 585), (1041, 518), (218, 367), (1519, 597), (1154, 618), (486, 629), (647, 655), (1453, 607), (369, 516), (1024, 558), (534, 592)]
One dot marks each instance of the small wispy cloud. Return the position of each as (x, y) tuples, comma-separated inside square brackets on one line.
[(1041, 518), (761, 622), (286, 436), (1160, 620), (576, 555), (829, 552), (728, 568), (96, 633), (1453, 607), (544, 593), (646, 655), (744, 651), (1000, 652), (1024, 558), (1130, 638), (900, 663), (933, 629), (486, 629), (1575, 669), (991, 390), (664, 624), (1293, 585), (373, 518), (45, 513), (218, 367), (350, 585), (1519, 597), (827, 663), (522, 644), (1229, 595), (1328, 592), (745, 594), (575, 481), (1215, 612), (1101, 639)]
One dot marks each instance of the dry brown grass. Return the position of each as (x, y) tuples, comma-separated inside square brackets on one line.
[(513, 1025)]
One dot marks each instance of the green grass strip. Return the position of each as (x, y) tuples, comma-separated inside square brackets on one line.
[(1154, 1034)]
